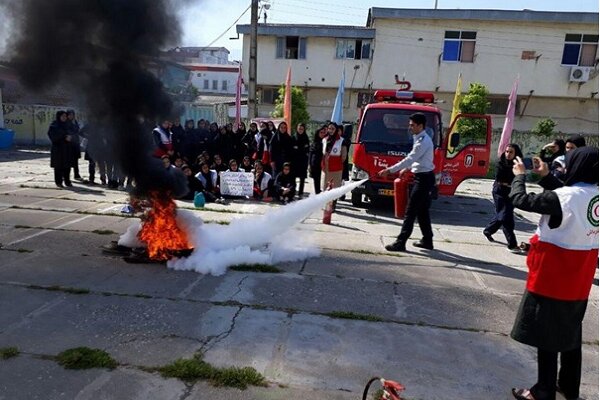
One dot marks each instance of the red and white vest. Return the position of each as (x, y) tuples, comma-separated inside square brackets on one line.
[(165, 139), (334, 157), (562, 261)]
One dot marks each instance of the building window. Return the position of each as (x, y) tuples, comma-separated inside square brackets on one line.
[(215, 85), (206, 84), (499, 105), (291, 48), (269, 95), (354, 49), (580, 50), (459, 46), (224, 85)]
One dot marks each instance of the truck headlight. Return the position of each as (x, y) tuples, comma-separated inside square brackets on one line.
[(358, 174)]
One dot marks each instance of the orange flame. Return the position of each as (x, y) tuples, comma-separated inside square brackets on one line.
[(160, 231)]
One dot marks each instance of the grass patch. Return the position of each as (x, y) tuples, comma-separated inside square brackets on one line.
[(8, 352), (360, 251), (85, 358), (191, 370), (256, 268), (103, 232), (351, 315)]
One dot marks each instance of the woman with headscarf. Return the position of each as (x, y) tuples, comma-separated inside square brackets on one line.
[(315, 156), (280, 148), (562, 262), (334, 155), (300, 149), (504, 217), (62, 151)]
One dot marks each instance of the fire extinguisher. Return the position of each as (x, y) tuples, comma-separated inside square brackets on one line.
[(328, 210), (401, 193)]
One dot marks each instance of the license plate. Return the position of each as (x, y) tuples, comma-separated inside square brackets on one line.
[(385, 192)]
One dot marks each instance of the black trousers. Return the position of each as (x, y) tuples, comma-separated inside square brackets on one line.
[(62, 175), (418, 208), (316, 175), (569, 377), (504, 216)]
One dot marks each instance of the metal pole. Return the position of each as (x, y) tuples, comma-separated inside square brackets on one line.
[(252, 104), (1, 110)]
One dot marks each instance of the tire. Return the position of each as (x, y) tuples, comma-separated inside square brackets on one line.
[(357, 199)]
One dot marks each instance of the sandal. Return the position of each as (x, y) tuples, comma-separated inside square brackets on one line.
[(522, 394)]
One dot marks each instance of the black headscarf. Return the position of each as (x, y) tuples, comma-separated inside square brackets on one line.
[(577, 140), (582, 166)]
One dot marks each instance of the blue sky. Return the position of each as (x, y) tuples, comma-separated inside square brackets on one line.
[(204, 21)]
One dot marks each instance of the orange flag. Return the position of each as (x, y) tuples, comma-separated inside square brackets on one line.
[(287, 100)]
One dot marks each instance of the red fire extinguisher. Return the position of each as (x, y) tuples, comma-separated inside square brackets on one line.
[(328, 210), (401, 193)]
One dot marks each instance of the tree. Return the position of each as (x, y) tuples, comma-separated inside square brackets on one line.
[(544, 127), (299, 107), (474, 102)]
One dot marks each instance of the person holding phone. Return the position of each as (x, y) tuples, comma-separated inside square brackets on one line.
[(561, 262), (504, 217)]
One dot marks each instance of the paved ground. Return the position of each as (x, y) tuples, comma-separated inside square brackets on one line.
[(444, 317)]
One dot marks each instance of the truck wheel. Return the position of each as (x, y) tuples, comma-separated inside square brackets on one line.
[(357, 199)]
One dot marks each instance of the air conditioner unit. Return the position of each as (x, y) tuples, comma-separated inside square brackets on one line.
[(579, 74)]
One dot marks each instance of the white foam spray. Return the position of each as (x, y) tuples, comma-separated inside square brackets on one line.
[(265, 239)]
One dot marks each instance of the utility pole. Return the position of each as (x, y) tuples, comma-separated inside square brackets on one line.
[(252, 104)]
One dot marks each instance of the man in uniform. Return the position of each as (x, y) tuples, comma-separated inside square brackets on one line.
[(420, 162)]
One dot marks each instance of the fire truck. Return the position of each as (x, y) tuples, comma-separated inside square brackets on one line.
[(383, 139)]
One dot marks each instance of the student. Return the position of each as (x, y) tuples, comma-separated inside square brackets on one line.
[(233, 166), (280, 147), (208, 179), (61, 152), (194, 184), (504, 217), (246, 164), (218, 164), (315, 157), (284, 187), (300, 149), (262, 183), (562, 261)]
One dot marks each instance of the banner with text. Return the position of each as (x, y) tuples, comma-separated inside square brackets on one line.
[(237, 183)]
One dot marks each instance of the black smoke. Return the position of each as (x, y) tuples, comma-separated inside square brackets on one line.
[(102, 52)]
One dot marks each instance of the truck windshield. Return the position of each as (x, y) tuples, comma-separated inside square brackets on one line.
[(386, 130)]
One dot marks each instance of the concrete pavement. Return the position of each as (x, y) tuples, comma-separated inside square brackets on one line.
[(438, 322)]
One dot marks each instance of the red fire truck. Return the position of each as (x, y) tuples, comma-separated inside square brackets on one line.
[(383, 139)]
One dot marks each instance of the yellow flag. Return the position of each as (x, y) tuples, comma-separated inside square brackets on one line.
[(456, 102), (455, 112)]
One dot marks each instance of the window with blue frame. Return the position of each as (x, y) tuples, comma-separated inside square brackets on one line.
[(291, 47), (459, 46), (580, 49)]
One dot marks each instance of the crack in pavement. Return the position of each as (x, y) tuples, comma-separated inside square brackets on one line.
[(214, 340)]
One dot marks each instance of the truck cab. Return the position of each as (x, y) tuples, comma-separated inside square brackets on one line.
[(460, 152)]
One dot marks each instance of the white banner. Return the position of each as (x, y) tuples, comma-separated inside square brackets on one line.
[(237, 183)]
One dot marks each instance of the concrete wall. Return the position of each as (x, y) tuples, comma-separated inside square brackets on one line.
[(31, 122)]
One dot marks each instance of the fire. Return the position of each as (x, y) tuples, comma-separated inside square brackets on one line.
[(159, 229)]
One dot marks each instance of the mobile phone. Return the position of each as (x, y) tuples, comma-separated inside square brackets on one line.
[(528, 163)]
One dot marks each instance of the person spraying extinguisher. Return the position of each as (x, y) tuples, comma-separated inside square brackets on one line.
[(420, 162)]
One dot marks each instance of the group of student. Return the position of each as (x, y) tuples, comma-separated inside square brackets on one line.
[(553, 154), (277, 159)]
